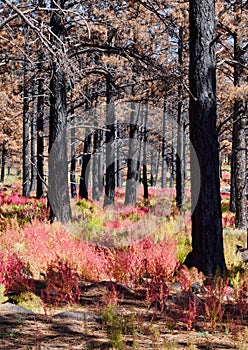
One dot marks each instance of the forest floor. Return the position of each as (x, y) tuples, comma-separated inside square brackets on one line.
[(130, 325)]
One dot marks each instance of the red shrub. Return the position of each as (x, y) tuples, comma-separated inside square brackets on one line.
[(14, 274), (62, 283)]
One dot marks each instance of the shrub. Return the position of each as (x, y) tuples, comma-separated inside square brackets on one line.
[(62, 283)]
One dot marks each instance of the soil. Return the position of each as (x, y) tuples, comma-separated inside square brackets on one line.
[(83, 326)]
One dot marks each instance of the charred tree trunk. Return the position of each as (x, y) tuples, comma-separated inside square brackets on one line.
[(232, 185), (25, 147), (3, 160), (33, 144), (144, 146), (58, 191), (40, 130), (118, 156), (133, 157), (110, 137), (73, 155), (239, 138), (207, 240), (172, 160), (180, 200), (84, 178), (164, 147), (96, 163)]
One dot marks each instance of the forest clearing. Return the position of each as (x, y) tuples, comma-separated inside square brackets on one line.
[(114, 278)]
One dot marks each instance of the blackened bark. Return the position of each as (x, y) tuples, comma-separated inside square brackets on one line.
[(239, 138), (118, 171), (180, 132), (58, 192), (144, 139), (25, 147), (101, 160), (40, 130), (172, 160), (84, 177), (33, 143), (207, 240), (133, 157), (164, 147), (73, 161), (110, 136), (3, 160), (96, 164), (73, 155), (232, 184)]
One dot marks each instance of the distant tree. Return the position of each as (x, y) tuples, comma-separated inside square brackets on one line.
[(84, 177), (240, 123), (207, 239), (110, 136), (26, 146), (133, 156), (164, 146)]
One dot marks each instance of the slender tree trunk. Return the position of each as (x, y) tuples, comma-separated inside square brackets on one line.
[(3, 160), (33, 144), (118, 156), (180, 200), (239, 138), (164, 147), (133, 157), (40, 130), (232, 185), (101, 160), (96, 164), (58, 191), (84, 178), (207, 240), (156, 168), (144, 141), (73, 155), (25, 149), (110, 136), (172, 161)]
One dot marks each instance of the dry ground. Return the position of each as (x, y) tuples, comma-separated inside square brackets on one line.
[(82, 327)]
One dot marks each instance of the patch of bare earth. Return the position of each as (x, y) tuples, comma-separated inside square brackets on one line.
[(82, 327)]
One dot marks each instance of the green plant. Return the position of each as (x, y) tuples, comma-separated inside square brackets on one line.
[(29, 301), (2, 290), (214, 302), (114, 325)]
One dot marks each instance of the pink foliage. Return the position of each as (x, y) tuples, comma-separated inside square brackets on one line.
[(14, 274), (228, 219), (41, 243), (144, 257)]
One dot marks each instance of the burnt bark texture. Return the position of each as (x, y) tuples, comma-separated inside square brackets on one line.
[(207, 239), (3, 160), (33, 144), (144, 142), (133, 157), (180, 200), (25, 136), (164, 147), (73, 184), (239, 136), (84, 177), (96, 192), (58, 191), (110, 137), (40, 131)]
